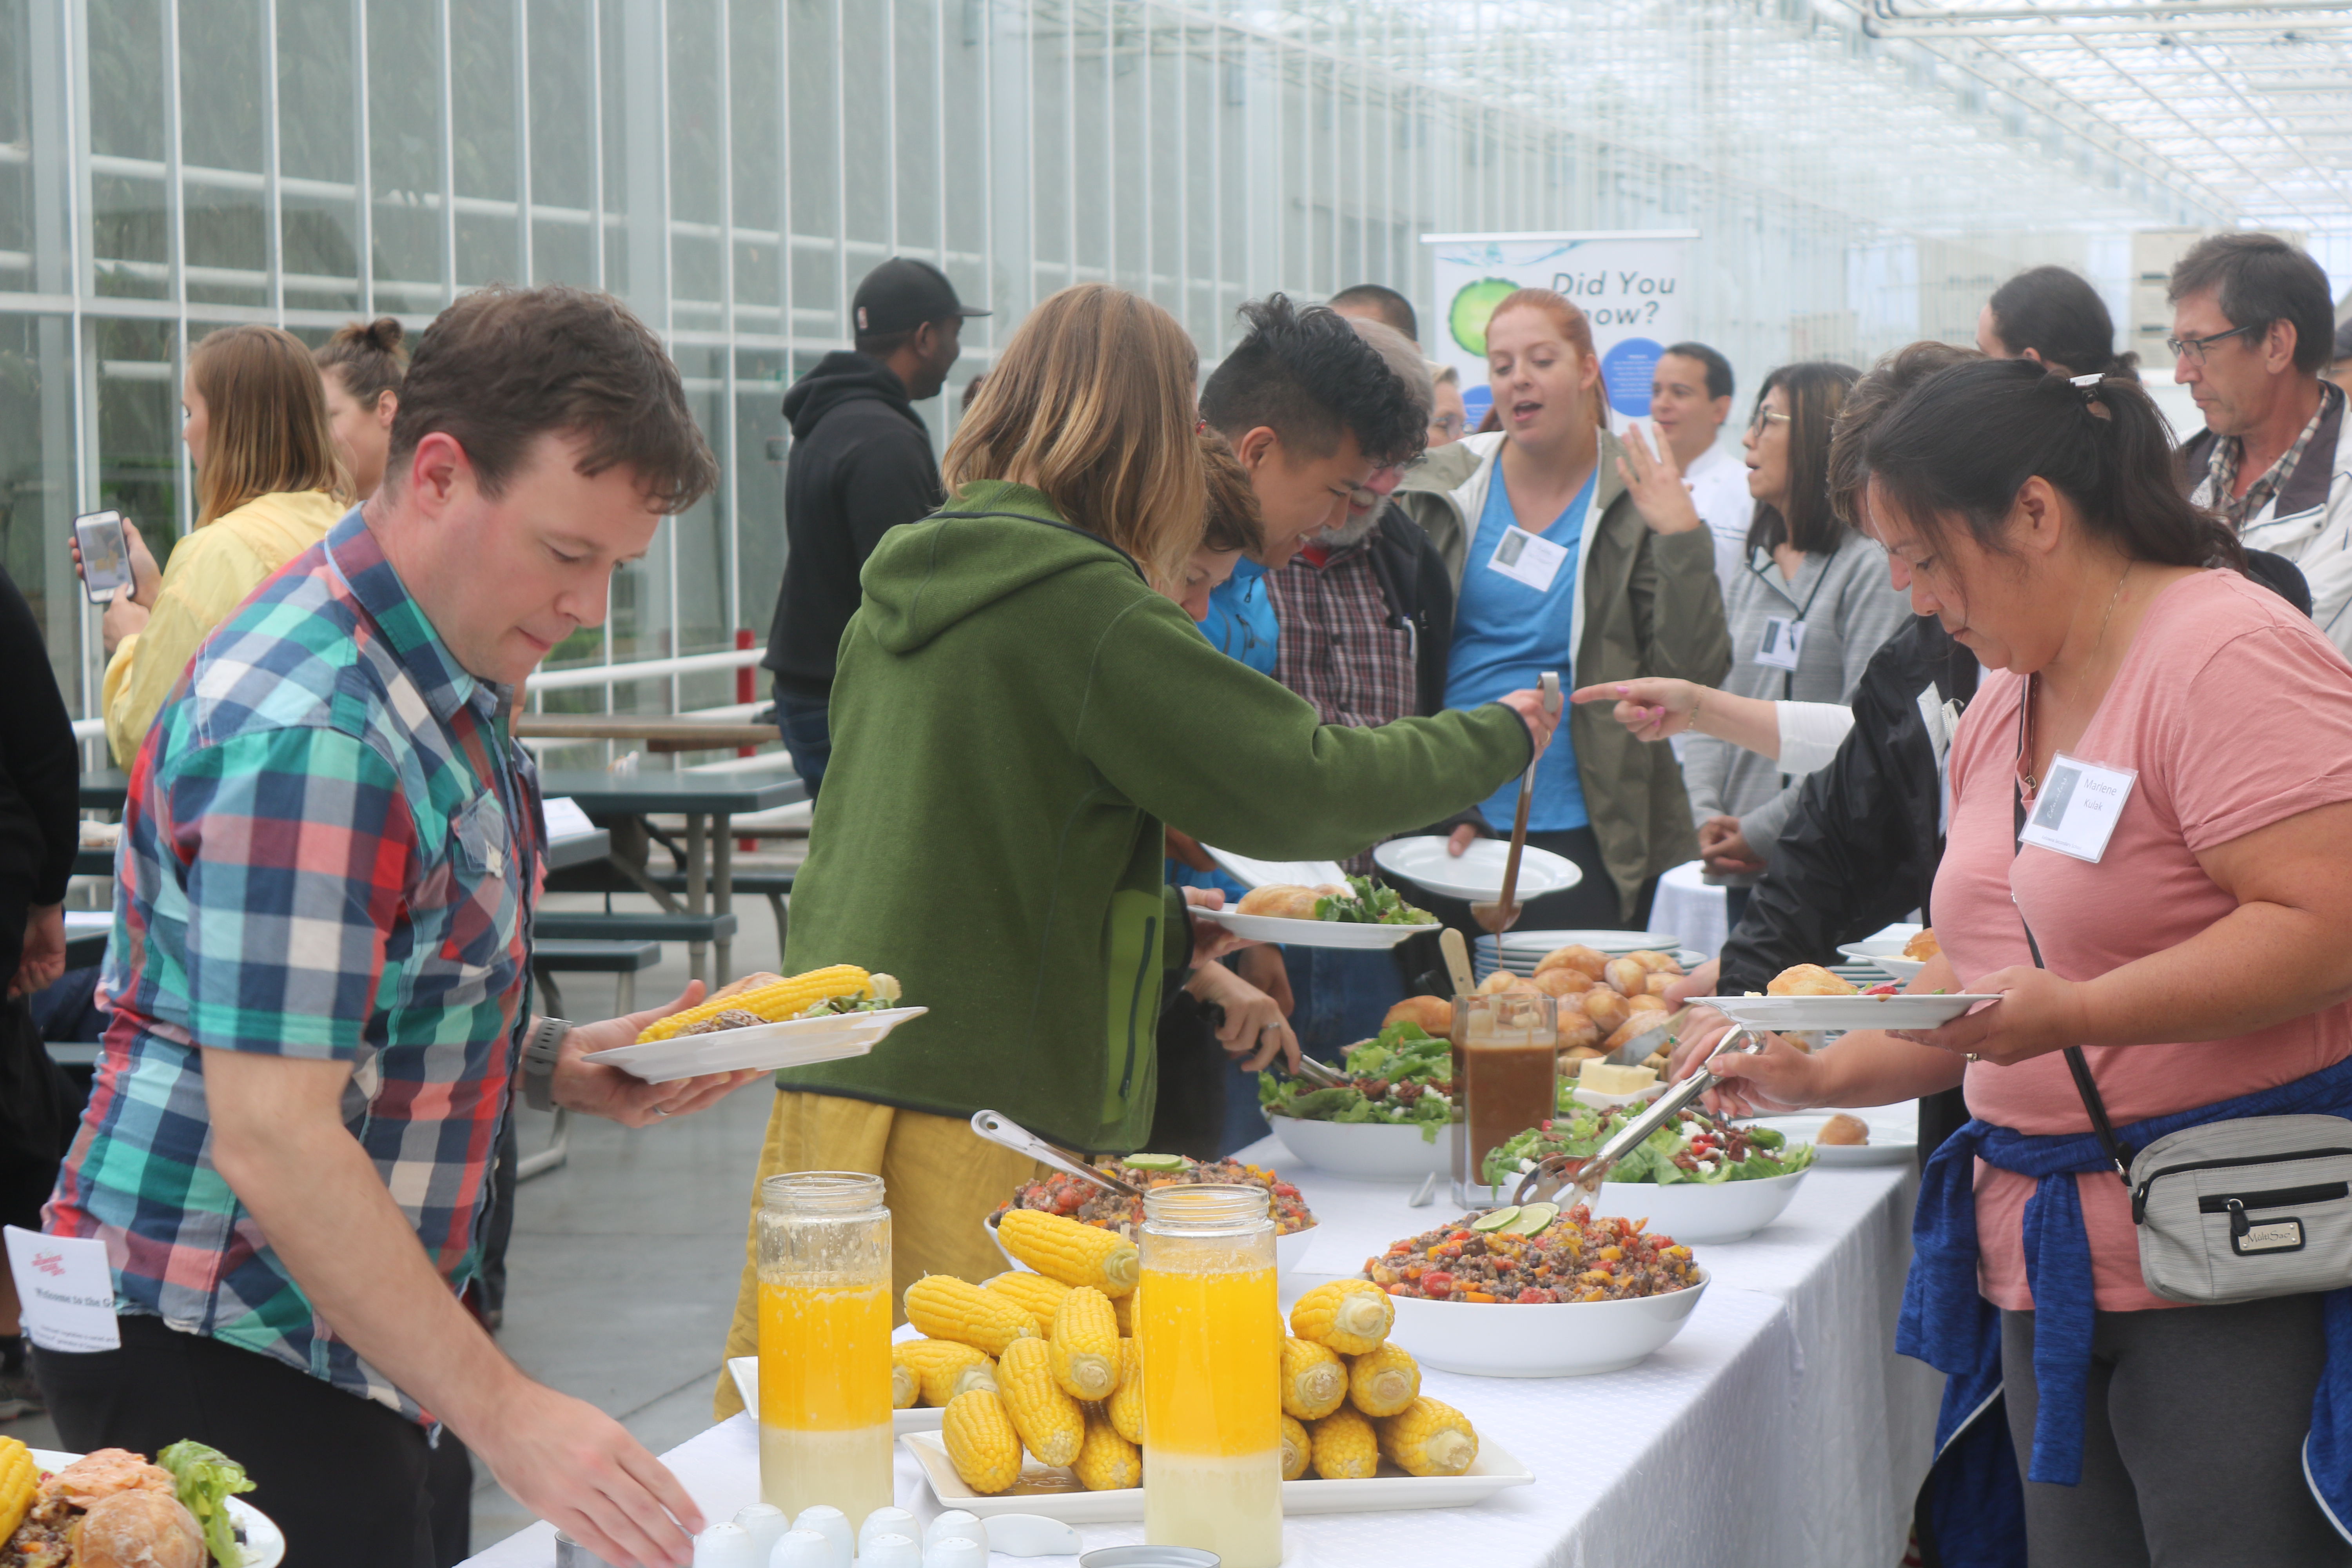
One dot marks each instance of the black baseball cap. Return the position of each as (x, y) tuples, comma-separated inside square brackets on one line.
[(902, 294)]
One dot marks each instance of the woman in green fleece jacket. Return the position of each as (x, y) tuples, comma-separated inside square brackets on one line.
[(1019, 709)]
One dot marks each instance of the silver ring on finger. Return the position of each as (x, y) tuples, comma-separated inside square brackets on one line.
[(661, 1111), (1974, 1058)]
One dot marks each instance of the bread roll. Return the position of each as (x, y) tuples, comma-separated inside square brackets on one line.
[(1661, 981), (1592, 961), (1577, 1056), (1809, 980), (1433, 1014), (1843, 1130), (140, 1529), (1606, 1008), (1577, 1032), (1645, 1002), (1502, 980), (1562, 981), (1924, 946), (1625, 976), (1285, 901), (1656, 963), (1632, 1030)]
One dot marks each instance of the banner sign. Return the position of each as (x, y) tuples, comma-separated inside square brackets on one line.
[(1631, 285)]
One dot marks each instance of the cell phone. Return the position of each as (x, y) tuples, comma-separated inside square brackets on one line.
[(105, 554)]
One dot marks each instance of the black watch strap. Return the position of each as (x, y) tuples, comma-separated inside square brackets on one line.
[(540, 1049)]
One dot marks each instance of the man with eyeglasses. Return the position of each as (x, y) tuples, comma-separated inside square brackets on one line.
[(2253, 326)]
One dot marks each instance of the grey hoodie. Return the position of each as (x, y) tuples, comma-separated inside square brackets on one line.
[(1849, 606)]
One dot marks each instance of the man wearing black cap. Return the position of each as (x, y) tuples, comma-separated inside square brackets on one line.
[(861, 464)]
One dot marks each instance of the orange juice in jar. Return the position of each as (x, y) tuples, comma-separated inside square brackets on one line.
[(1208, 1331), (825, 1343)]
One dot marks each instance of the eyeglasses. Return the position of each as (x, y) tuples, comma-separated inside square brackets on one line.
[(2193, 349), (1764, 419), (1449, 426)]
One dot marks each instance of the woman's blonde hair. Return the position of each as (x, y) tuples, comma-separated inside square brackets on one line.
[(1091, 402), (266, 421)]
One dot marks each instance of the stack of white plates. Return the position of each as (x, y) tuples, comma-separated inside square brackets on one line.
[(1521, 951)]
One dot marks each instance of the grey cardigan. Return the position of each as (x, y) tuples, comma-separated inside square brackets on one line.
[(1849, 607)]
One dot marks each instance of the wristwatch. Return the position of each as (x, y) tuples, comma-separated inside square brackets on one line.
[(540, 1049)]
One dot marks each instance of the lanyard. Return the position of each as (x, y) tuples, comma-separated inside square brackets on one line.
[(1789, 676)]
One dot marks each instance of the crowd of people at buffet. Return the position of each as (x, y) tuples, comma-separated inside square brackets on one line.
[(1290, 610)]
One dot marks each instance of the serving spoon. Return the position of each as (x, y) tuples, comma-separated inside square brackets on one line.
[(1001, 1129), (1582, 1176), (1503, 914)]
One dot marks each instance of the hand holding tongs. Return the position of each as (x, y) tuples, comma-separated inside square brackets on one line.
[(1557, 1173), (996, 1129)]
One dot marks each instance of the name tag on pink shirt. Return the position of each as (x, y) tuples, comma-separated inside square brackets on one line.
[(2079, 804)]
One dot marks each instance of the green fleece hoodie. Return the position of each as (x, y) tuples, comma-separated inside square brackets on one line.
[(1017, 714)]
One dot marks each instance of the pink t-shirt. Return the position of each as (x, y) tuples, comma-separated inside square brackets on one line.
[(2236, 714)]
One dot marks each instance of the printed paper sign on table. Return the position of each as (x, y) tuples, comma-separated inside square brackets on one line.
[(66, 1288), (1631, 284)]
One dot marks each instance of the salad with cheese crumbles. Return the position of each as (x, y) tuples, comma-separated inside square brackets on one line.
[(1693, 1147), (1535, 1255), (1403, 1077)]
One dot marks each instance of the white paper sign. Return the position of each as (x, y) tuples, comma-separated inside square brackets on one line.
[(2076, 811), (66, 1289), (564, 819), (1527, 557), (1782, 642)]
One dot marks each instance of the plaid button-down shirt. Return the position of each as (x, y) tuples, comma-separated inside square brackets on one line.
[(1337, 649), (2222, 467), (329, 851)]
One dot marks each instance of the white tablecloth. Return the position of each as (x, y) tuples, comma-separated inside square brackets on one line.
[(1687, 907), (1779, 1417)]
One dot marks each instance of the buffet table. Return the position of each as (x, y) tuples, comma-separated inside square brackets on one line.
[(1779, 1416)]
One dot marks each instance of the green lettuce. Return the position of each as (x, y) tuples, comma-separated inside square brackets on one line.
[(206, 1478)]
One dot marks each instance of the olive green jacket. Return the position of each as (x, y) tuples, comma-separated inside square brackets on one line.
[(1648, 604)]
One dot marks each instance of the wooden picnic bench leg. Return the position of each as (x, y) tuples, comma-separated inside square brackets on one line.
[(722, 890), (697, 888)]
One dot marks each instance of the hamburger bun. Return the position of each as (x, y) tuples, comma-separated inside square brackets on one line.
[(140, 1529), (1809, 980), (1433, 1014)]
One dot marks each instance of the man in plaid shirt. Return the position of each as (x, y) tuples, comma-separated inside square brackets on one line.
[(330, 852)]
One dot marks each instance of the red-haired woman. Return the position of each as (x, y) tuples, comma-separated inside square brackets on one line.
[(1576, 553)]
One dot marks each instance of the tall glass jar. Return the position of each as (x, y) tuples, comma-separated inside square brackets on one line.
[(1208, 1331), (1505, 1080), (825, 1343)]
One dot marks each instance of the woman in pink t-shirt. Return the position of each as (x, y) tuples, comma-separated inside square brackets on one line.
[(2200, 956)]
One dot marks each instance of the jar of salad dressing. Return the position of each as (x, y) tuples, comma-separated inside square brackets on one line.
[(825, 1343)]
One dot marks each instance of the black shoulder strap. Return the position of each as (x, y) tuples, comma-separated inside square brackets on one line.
[(2076, 1063)]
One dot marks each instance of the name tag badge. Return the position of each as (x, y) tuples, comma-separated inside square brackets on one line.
[(67, 1288), (1782, 642), (1527, 557), (2078, 807)]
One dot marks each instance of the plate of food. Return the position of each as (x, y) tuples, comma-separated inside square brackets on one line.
[(113, 1508), (1900, 952), (1808, 996), (764, 1022), (1385, 1124), (1491, 1304), (1846, 1138), (1071, 1197), (1699, 1178), (1357, 913), (1428, 861)]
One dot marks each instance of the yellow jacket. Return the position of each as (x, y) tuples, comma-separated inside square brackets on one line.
[(211, 572)]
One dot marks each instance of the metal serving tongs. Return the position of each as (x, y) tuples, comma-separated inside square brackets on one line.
[(1558, 1172), (1503, 913), (996, 1129)]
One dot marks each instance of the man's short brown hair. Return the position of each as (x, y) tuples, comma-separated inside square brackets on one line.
[(504, 366)]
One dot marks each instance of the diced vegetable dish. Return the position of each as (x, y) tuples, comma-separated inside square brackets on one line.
[(1693, 1147), (1403, 1077), (1090, 1205), (1572, 1257)]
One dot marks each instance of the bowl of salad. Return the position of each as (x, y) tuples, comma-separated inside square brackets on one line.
[(1697, 1178), (1386, 1124)]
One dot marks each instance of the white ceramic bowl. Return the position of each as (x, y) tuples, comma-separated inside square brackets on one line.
[(1289, 1251), (1366, 1151), (1729, 1211), (1884, 954), (1568, 1339)]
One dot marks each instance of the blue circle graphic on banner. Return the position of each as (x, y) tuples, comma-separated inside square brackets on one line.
[(1626, 369)]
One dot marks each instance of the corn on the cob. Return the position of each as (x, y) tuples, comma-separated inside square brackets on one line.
[(946, 1308), (1040, 1296), (1350, 1316), (980, 1441), (906, 1385), (785, 999), (1106, 1461), (1047, 1419), (1383, 1382), (1314, 1380), (1124, 1307), (943, 1368), (1061, 1249), (1086, 1344), (1124, 1406), (1345, 1447), (1428, 1438), (1297, 1449), (19, 1478)]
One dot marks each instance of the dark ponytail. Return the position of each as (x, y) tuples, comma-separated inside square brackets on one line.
[(368, 356), (2058, 315), (1962, 444)]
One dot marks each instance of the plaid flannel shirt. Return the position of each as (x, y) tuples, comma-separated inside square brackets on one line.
[(1337, 649), (329, 851), (2222, 467)]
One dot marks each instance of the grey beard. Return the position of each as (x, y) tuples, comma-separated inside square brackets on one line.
[(1355, 530)]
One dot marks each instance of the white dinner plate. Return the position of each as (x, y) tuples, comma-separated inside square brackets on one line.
[(1534, 945), (745, 1370), (1312, 933), (1477, 872), (1927, 1010), (1890, 1144), (1252, 873), (761, 1047), (264, 1546), (1884, 954), (1056, 1494)]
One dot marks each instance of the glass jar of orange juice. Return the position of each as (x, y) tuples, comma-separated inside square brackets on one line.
[(1208, 1332), (825, 1343)]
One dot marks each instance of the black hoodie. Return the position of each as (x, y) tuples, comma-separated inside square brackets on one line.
[(861, 464)]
